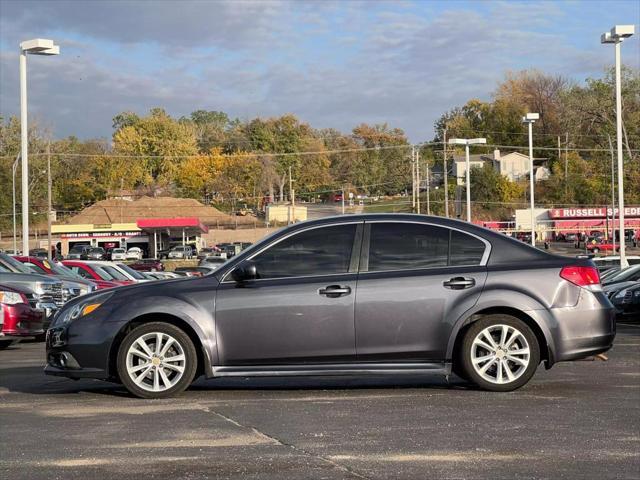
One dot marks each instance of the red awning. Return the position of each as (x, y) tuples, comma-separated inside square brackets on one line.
[(178, 222)]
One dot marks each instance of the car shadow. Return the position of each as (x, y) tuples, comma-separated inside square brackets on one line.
[(32, 380)]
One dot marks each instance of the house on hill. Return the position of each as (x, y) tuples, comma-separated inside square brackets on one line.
[(513, 165)]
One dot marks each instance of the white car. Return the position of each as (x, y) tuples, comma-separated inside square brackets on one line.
[(180, 251), (604, 263), (134, 253), (118, 254)]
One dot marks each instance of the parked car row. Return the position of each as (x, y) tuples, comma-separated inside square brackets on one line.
[(32, 290), (622, 286)]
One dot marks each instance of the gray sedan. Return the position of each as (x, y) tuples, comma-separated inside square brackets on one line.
[(351, 295)]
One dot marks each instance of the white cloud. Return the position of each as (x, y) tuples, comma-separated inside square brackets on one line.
[(331, 63)]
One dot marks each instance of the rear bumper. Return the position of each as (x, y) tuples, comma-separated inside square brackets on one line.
[(585, 330)]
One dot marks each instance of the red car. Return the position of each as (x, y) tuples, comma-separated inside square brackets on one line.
[(93, 272), (45, 267), (595, 245), (18, 318), (148, 265)]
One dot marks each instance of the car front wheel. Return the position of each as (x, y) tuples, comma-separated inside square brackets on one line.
[(156, 360), (500, 353)]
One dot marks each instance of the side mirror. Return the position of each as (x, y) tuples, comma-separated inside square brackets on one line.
[(244, 272)]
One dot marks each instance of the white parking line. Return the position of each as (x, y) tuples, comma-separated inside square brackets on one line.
[(629, 325)]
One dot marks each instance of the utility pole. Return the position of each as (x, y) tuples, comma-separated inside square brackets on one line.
[(446, 181), (413, 178), (529, 119), (428, 189), (566, 163), (291, 199), (418, 181), (343, 199), (613, 193), (49, 199), (121, 197)]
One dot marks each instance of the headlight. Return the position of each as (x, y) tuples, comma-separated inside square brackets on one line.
[(621, 293), (68, 315), (11, 298)]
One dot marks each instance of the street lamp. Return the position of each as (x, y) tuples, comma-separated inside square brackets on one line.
[(466, 142), (616, 36), (529, 119), (13, 186), (37, 46)]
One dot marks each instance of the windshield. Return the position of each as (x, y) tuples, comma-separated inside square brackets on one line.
[(97, 250), (215, 260), (63, 271), (13, 265), (110, 273), (118, 250), (135, 274), (623, 274), (78, 249)]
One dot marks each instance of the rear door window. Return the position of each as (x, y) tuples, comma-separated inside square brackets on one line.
[(410, 246), (407, 246)]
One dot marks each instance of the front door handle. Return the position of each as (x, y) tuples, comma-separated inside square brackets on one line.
[(334, 291), (459, 283)]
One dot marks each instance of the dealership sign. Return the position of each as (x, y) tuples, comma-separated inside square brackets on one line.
[(592, 212), (101, 234)]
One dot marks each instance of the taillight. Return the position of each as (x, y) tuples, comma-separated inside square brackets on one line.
[(587, 277)]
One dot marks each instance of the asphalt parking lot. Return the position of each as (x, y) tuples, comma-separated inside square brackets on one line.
[(578, 420)]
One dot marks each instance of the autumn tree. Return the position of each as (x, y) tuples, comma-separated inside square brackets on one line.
[(157, 145)]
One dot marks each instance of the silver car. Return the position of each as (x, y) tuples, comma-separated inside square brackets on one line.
[(351, 295), (48, 292)]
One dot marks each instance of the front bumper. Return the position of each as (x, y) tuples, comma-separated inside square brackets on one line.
[(82, 348), (21, 321)]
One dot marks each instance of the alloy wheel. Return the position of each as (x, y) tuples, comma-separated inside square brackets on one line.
[(156, 361), (500, 354)]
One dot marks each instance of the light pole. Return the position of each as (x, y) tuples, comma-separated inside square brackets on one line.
[(37, 46), (616, 36), (13, 185), (529, 119), (466, 142)]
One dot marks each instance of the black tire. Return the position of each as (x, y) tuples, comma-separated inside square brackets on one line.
[(494, 320), (4, 344), (190, 362)]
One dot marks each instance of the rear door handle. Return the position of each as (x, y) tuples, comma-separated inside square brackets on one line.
[(459, 283), (333, 291)]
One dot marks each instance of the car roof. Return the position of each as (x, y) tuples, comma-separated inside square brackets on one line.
[(505, 250)]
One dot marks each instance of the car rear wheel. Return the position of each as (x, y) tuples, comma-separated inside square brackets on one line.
[(156, 360), (500, 353)]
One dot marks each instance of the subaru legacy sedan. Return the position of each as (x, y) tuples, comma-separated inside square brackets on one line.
[(354, 295)]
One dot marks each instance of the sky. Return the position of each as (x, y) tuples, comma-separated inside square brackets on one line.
[(333, 64)]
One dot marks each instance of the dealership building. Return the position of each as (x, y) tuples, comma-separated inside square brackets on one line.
[(150, 223), (557, 221)]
